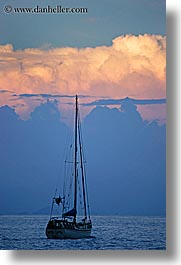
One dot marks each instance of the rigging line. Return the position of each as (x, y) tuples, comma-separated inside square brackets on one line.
[(68, 170), (85, 179), (80, 194), (82, 168), (59, 174), (61, 164), (69, 189), (63, 204), (81, 136), (84, 159), (68, 196), (58, 178), (88, 206), (86, 189)]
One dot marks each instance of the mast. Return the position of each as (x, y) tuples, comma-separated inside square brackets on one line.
[(82, 169), (75, 157)]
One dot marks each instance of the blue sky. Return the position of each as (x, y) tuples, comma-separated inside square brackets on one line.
[(129, 162), (105, 20), (125, 155)]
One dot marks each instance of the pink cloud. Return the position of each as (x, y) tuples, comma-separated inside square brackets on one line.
[(131, 66)]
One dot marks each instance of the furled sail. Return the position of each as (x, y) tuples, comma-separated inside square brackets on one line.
[(72, 212)]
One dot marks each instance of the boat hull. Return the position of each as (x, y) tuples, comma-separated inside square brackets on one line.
[(67, 233), (68, 230)]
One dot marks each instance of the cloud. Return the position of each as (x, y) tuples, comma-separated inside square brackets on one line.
[(150, 109), (51, 96), (120, 101), (6, 91), (128, 152), (133, 66)]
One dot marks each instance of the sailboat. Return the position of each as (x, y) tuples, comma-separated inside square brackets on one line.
[(69, 224)]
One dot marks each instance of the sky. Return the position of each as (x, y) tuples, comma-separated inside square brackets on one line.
[(104, 21), (114, 58), (107, 52), (125, 156)]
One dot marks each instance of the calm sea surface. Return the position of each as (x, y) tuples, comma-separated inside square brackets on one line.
[(109, 232)]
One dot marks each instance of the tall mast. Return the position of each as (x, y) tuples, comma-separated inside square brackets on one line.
[(75, 157)]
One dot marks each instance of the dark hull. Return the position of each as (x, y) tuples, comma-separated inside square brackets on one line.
[(61, 229)]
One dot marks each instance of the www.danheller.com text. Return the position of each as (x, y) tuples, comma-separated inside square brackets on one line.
[(44, 10)]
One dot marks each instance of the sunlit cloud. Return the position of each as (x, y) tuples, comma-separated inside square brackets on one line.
[(132, 66)]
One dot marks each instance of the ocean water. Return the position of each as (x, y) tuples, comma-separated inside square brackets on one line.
[(109, 232)]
